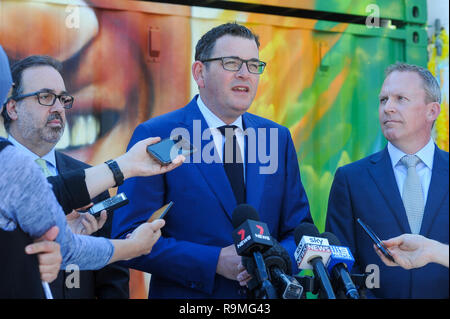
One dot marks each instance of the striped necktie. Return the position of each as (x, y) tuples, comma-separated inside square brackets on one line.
[(43, 165), (412, 193)]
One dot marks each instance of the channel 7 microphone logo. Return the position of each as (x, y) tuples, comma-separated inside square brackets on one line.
[(241, 232)]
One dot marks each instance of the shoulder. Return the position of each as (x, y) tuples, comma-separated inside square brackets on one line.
[(258, 121), (362, 164), (164, 122), (67, 162)]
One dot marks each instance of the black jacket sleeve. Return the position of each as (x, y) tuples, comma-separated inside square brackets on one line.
[(70, 189)]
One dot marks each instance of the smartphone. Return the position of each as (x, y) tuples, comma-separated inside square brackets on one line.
[(109, 204), (167, 149), (376, 240), (160, 213)]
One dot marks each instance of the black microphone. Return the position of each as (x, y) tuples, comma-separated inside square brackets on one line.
[(312, 253), (251, 238), (279, 265), (340, 263)]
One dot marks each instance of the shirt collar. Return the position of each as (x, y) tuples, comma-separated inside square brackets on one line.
[(49, 157), (212, 120), (426, 154)]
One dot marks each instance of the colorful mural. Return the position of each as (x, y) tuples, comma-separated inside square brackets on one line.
[(127, 61)]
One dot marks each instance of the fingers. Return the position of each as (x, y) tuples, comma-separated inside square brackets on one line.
[(72, 215), (151, 140), (157, 224), (395, 241), (90, 224), (102, 220), (243, 277), (49, 258), (386, 261)]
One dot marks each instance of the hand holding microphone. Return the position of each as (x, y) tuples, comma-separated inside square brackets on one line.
[(251, 238)]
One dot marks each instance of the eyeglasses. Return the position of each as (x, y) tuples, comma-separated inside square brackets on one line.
[(48, 98), (234, 63)]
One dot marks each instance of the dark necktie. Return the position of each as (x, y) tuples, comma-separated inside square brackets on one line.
[(232, 162)]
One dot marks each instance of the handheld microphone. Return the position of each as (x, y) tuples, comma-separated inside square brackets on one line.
[(251, 238), (339, 265), (312, 253)]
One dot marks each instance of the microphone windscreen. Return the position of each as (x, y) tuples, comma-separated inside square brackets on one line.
[(243, 212), (332, 239), (305, 229), (278, 256)]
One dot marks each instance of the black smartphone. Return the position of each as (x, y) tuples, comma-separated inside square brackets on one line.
[(109, 204), (167, 149), (376, 240), (160, 212)]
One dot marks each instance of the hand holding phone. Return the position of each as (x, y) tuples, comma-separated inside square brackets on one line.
[(168, 149), (109, 204), (160, 212), (377, 241)]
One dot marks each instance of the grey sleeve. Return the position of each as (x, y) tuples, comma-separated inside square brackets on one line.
[(27, 200)]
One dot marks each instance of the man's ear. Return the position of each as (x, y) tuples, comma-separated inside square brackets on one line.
[(11, 109), (198, 69), (434, 108)]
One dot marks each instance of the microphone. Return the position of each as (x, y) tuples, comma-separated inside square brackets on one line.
[(312, 253), (251, 238), (279, 265), (339, 265)]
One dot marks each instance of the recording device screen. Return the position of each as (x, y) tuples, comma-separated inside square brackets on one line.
[(160, 213), (109, 204), (376, 240), (167, 149)]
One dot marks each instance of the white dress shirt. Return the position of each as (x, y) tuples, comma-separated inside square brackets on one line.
[(219, 140)]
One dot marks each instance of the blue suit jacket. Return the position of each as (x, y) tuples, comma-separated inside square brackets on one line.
[(367, 189), (183, 262)]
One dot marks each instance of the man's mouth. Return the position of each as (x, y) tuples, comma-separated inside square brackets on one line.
[(240, 89), (85, 129)]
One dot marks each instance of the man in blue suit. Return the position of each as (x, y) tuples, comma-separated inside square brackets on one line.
[(401, 189), (195, 257)]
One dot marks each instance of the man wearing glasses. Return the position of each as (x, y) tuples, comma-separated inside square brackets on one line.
[(196, 257), (34, 117)]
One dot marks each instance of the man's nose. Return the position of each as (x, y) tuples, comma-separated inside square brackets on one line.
[(243, 71), (389, 106), (58, 106)]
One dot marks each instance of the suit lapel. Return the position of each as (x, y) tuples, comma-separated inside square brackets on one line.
[(213, 173), (383, 175), (436, 192)]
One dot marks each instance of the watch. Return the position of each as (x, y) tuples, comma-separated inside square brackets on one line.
[(117, 173)]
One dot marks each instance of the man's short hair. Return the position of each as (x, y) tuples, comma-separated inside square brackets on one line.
[(17, 70), (430, 84), (206, 43)]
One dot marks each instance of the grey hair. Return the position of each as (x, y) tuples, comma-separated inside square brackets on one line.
[(430, 84)]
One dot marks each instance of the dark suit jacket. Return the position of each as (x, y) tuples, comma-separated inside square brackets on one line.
[(183, 262), (108, 282), (367, 189)]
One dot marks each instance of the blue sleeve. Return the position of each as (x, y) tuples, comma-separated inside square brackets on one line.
[(28, 200)]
